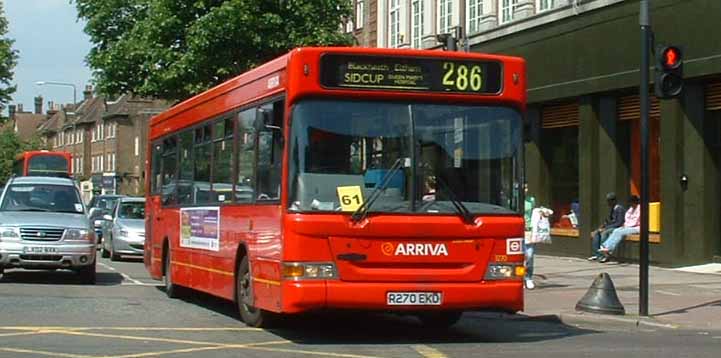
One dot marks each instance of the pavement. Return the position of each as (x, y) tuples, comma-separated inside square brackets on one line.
[(679, 298)]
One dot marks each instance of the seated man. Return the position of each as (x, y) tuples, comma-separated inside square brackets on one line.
[(613, 221), (631, 225)]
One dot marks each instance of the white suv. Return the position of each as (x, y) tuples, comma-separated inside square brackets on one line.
[(43, 225)]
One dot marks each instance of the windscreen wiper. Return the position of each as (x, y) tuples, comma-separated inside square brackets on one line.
[(462, 209), (362, 210)]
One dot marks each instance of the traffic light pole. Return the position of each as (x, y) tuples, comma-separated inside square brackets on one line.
[(646, 35)]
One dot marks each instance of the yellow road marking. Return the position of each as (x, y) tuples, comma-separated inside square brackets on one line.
[(298, 351), (270, 282), (189, 350), (428, 352), (44, 353), (203, 268), (19, 334), (138, 338), (200, 329)]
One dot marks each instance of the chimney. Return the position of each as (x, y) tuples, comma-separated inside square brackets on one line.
[(11, 111), (39, 105), (88, 93), (20, 108)]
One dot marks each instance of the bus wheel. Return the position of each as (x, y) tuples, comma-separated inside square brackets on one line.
[(252, 316), (442, 319), (171, 290)]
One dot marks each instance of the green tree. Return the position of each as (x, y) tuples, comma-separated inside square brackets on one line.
[(10, 147), (8, 60), (173, 49)]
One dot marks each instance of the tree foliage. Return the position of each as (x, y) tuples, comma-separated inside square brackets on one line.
[(173, 49), (10, 146), (8, 60)]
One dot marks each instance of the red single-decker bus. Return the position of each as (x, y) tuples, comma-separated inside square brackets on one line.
[(43, 163), (345, 178)]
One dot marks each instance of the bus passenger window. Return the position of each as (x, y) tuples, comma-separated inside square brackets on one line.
[(202, 152), (223, 161), (245, 182), (155, 165), (270, 149), (185, 180), (170, 157)]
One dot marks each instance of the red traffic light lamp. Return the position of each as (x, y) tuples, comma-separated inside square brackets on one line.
[(669, 72)]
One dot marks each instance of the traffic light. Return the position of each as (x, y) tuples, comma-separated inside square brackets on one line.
[(669, 72)]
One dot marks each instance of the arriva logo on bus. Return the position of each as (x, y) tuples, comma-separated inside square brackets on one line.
[(411, 249)]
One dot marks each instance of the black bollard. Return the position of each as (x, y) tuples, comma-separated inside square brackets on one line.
[(601, 297)]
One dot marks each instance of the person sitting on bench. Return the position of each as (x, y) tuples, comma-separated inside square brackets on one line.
[(631, 225), (613, 221)]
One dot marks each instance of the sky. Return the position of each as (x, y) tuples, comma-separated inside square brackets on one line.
[(52, 47)]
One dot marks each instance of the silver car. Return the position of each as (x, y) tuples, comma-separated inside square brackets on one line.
[(43, 225), (124, 229)]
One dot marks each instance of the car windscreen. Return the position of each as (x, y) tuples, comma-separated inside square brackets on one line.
[(42, 197), (132, 210)]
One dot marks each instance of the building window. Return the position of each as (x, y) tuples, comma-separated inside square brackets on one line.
[(395, 23), (79, 136), (417, 21), (137, 146), (543, 5), (445, 16), (359, 12), (62, 137), (474, 11), (505, 9)]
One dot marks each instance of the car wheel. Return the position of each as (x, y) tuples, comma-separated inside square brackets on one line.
[(171, 290), (88, 274), (104, 253), (440, 320), (252, 316)]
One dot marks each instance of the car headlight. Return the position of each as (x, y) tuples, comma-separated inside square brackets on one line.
[(9, 233), (123, 233), (79, 235)]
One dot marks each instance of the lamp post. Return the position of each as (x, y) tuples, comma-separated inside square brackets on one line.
[(75, 104), (67, 84)]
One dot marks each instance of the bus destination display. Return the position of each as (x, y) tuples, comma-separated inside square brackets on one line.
[(410, 74)]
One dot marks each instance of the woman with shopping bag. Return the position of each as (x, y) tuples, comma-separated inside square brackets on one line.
[(540, 233)]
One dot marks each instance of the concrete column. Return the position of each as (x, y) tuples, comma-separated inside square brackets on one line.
[(537, 171), (612, 146), (690, 215), (589, 165)]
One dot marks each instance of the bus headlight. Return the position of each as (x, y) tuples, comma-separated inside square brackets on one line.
[(498, 271), (309, 271)]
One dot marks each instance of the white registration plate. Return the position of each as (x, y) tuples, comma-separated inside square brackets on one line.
[(39, 250), (414, 298)]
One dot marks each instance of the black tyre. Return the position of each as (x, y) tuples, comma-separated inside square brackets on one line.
[(440, 320), (171, 290), (252, 316), (88, 274), (104, 253)]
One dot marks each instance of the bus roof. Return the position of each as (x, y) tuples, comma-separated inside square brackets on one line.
[(31, 153)]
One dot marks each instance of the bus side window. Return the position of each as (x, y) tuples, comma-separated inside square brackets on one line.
[(245, 182), (170, 157), (223, 161), (155, 165), (185, 180), (270, 149)]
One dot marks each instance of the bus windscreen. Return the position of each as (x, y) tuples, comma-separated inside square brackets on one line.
[(48, 165)]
